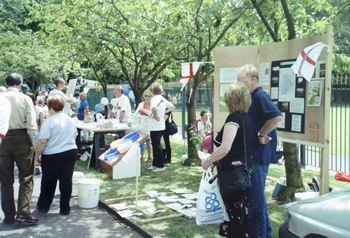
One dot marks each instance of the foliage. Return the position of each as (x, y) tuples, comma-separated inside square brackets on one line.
[(21, 51), (135, 40)]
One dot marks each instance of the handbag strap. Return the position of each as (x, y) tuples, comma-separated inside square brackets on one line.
[(245, 145)]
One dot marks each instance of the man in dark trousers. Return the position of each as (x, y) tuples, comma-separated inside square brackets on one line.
[(17, 147), (265, 116)]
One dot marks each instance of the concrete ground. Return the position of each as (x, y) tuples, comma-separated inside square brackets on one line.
[(81, 223)]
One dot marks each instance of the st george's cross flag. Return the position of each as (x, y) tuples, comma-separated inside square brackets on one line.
[(188, 71), (305, 64)]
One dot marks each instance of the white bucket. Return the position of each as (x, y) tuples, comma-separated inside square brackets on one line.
[(88, 192), (76, 177)]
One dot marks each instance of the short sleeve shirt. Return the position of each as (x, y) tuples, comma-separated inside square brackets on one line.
[(161, 104), (261, 110), (58, 93), (123, 104), (239, 151), (60, 132), (82, 106)]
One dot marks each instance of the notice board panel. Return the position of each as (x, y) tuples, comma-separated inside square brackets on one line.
[(304, 104)]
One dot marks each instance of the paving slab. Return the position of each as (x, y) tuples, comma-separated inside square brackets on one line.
[(81, 223)]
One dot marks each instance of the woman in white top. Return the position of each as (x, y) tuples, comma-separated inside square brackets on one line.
[(58, 153), (159, 107), (144, 109)]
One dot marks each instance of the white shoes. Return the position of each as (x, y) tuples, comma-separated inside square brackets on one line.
[(152, 167), (159, 169)]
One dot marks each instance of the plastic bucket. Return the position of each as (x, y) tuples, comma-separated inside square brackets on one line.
[(76, 177), (88, 192)]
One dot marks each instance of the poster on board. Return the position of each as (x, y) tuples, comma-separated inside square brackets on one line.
[(264, 74), (314, 95), (288, 93), (228, 75)]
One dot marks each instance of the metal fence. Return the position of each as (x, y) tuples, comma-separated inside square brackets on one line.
[(339, 131)]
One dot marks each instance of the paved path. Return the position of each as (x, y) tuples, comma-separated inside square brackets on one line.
[(81, 223)]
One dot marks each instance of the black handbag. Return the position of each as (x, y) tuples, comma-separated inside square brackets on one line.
[(238, 179), (170, 125)]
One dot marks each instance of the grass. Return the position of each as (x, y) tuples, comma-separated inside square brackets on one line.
[(177, 176)]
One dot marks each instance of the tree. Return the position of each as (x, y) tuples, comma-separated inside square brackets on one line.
[(296, 18), (204, 27), (140, 37), (21, 51)]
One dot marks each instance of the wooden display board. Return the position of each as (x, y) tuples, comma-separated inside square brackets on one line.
[(306, 124)]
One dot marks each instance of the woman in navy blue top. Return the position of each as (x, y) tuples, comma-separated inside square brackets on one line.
[(231, 153)]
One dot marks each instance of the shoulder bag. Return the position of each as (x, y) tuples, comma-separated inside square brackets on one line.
[(170, 125), (238, 178)]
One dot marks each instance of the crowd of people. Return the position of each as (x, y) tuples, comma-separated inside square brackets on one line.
[(247, 138), (45, 132), (42, 131)]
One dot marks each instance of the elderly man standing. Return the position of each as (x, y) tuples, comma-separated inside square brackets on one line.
[(60, 87), (17, 147), (122, 108), (5, 112), (265, 117)]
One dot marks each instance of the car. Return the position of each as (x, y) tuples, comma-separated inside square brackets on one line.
[(326, 216)]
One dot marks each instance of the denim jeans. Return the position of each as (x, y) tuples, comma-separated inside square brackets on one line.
[(259, 223)]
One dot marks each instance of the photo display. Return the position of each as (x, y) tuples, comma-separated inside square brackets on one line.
[(288, 93)]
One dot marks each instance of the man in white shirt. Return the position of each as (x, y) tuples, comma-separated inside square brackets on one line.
[(5, 113), (60, 86), (159, 106), (121, 108)]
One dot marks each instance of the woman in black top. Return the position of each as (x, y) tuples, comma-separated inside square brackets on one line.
[(230, 153)]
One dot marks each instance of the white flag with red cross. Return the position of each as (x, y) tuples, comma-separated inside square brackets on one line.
[(188, 71), (305, 64)]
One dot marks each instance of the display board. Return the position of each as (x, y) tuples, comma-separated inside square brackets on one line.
[(305, 105), (302, 103)]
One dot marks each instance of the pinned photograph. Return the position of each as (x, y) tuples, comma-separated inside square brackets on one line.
[(300, 92), (314, 95), (274, 82), (283, 106)]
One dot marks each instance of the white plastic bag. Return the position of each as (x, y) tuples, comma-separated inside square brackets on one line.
[(210, 206)]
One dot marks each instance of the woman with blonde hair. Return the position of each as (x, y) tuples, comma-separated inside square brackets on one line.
[(233, 152), (144, 109)]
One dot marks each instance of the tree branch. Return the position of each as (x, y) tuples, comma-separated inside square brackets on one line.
[(120, 12), (222, 34), (264, 20), (289, 19)]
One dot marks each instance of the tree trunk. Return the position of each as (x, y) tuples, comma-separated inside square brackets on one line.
[(192, 139), (138, 96), (292, 165), (293, 174)]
